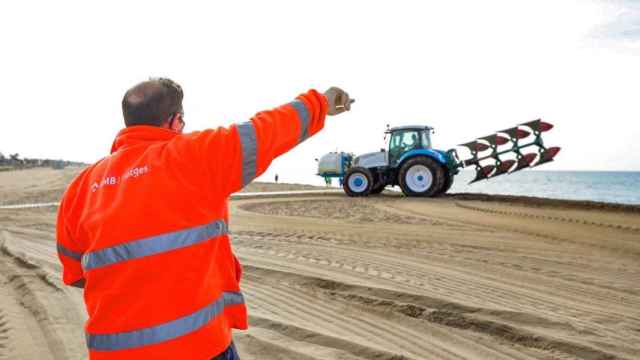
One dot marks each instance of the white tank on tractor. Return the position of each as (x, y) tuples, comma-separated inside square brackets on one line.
[(334, 164)]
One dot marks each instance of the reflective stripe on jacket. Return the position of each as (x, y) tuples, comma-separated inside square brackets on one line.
[(145, 231)]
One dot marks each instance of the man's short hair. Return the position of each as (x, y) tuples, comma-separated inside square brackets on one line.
[(152, 102)]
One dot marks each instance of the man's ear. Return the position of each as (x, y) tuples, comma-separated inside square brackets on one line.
[(167, 124), (174, 122)]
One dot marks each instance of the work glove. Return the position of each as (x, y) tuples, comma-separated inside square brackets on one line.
[(338, 100)]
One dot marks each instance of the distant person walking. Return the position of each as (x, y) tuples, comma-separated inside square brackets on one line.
[(144, 230), (276, 178)]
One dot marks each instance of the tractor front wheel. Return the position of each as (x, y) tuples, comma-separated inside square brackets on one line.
[(358, 182), (421, 176)]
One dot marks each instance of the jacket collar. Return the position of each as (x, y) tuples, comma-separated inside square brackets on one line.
[(140, 134)]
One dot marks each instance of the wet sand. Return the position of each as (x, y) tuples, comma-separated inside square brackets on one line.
[(387, 277)]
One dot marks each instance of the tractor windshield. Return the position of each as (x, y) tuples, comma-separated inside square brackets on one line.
[(403, 141)]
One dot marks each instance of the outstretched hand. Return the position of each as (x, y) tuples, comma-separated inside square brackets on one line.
[(338, 100)]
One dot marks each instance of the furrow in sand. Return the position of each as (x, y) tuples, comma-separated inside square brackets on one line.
[(428, 339), (423, 269), (512, 317), (349, 323), (4, 328), (18, 295), (321, 346), (380, 334), (527, 285), (431, 310), (44, 304), (519, 226), (320, 318), (528, 215), (538, 298), (40, 251), (260, 343), (579, 327), (604, 295), (616, 241)]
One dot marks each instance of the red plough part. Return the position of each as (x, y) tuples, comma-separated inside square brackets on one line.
[(495, 139), (504, 167), (515, 133), (492, 164), (525, 161), (548, 155), (475, 146), (483, 173)]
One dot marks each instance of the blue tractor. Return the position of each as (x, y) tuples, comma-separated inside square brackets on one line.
[(411, 163)]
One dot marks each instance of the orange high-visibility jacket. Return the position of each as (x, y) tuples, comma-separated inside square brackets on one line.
[(144, 230)]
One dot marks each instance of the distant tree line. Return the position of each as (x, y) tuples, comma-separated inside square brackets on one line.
[(13, 162)]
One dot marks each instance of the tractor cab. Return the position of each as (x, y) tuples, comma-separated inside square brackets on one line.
[(406, 138)]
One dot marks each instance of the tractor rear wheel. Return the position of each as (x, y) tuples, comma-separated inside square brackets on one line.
[(421, 176), (448, 182), (358, 182)]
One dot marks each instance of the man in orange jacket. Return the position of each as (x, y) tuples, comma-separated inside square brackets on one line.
[(144, 230)]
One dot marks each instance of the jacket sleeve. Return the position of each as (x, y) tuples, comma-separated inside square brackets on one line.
[(236, 155), (69, 252)]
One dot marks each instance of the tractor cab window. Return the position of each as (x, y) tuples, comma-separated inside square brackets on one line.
[(426, 139), (403, 141)]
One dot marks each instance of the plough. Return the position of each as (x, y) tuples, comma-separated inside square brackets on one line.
[(500, 146)]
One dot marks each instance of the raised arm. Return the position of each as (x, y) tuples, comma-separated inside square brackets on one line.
[(237, 155)]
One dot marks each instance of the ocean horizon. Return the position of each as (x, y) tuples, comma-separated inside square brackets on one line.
[(622, 187)]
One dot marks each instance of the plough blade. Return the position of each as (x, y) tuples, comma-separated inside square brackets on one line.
[(495, 139), (504, 167), (483, 173), (538, 125), (475, 146), (516, 133), (548, 155), (544, 126), (501, 157), (525, 161)]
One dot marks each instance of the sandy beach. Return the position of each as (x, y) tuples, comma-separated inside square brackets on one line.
[(386, 277)]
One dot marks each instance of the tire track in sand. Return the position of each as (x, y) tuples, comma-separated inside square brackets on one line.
[(430, 310), (410, 272), (4, 333), (578, 327), (327, 316), (366, 262), (44, 323), (621, 227)]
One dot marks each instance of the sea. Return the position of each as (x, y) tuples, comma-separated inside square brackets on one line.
[(621, 187), (606, 186)]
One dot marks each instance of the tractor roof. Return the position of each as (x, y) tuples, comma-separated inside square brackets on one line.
[(409, 127)]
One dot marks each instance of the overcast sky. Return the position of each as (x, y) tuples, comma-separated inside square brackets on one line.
[(465, 67)]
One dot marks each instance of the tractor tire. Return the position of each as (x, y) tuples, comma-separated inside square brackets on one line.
[(421, 176), (448, 182), (358, 182)]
